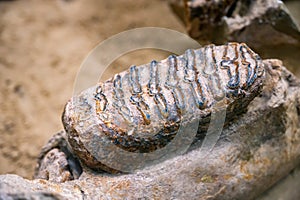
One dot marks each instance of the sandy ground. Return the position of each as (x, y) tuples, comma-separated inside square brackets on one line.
[(42, 44)]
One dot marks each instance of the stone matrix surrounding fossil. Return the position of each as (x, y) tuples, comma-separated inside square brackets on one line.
[(255, 151), (142, 109), (259, 23), (56, 162)]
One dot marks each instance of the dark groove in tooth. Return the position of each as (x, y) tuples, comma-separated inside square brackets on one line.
[(172, 79), (190, 70), (136, 97), (247, 56), (134, 77), (120, 102), (142, 106), (172, 83), (154, 89), (179, 98), (161, 102), (101, 100), (214, 79), (192, 76), (118, 87), (210, 66), (231, 64), (153, 82)]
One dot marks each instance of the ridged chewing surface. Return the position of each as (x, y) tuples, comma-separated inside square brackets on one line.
[(141, 109)]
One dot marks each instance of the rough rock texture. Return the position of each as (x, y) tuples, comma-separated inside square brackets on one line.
[(258, 23), (56, 162), (286, 189), (258, 149)]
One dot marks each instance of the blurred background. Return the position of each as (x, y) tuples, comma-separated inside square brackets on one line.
[(42, 44)]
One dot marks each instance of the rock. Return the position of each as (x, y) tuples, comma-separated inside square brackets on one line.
[(16, 187), (254, 152), (258, 23), (54, 167), (56, 163), (287, 188)]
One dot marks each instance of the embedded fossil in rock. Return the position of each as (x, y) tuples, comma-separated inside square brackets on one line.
[(254, 152), (141, 109)]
